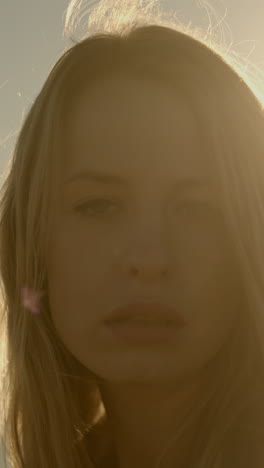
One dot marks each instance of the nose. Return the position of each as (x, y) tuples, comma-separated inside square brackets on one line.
[(146, 268), (146, 257)]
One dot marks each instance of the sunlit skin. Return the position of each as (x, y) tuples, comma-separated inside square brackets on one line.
[(145, 238)]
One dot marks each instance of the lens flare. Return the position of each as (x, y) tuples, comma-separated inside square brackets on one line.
[(31, 299)]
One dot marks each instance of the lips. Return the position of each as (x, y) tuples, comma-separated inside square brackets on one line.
[(147, 310)]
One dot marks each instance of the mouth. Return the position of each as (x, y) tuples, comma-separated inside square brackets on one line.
[(142, 320), (145, 313), (144, 324)]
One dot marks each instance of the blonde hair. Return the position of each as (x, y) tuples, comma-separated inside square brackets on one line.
[(49, 401)]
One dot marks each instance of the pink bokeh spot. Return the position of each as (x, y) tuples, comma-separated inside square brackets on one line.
[(31, 299)]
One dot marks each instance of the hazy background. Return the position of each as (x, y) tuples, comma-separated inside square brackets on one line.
[(31, 41)]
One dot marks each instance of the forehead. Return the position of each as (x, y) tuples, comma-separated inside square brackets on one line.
[(133, 126)]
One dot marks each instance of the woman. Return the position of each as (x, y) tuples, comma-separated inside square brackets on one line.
[(137, 187)]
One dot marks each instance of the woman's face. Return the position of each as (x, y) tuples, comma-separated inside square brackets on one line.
[(133, 229)]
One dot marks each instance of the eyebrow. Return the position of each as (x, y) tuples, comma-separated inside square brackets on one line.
[(106, 178)]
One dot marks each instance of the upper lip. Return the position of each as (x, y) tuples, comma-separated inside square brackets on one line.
[(155, 310)]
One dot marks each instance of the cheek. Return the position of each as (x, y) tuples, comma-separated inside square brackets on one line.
[(210, 281), (217, 298), (78, 270), (77, 255)]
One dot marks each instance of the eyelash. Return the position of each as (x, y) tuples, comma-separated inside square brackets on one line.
[(83, 207)]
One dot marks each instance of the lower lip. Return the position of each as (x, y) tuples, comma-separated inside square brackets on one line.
[(143, 333)]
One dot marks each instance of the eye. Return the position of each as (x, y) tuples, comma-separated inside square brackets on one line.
[(97, 206), (198, 207), (198, 212)]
